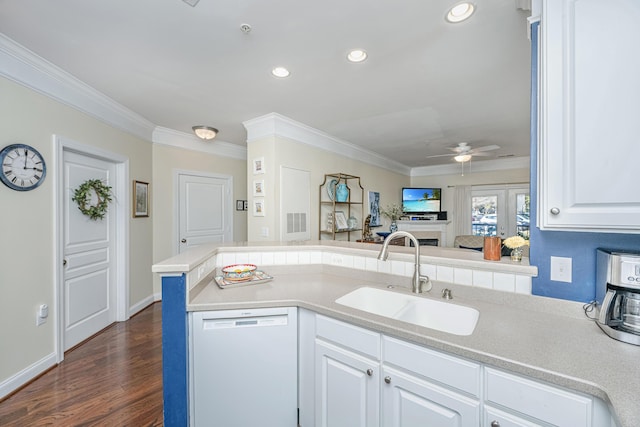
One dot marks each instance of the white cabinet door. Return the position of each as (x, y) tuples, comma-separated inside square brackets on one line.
[(408, 401), (347, 388), (588, 142)]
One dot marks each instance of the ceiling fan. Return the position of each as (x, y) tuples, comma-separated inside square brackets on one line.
[(463, 152)]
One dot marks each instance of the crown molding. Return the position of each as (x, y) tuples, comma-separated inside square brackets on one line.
[(274, 124), (474, 166), (189, 141), (24, 67)]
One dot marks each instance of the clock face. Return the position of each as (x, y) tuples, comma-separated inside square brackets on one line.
[(23, 167)]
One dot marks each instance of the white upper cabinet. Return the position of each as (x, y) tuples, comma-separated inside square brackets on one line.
[(589, 135)]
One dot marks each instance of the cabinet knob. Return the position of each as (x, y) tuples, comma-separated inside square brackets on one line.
[(183, 241), (370, 372), (495, 423), (554, 211), (387, 380), (64, 262)]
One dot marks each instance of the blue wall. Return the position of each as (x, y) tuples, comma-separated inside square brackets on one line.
[(579, 246)]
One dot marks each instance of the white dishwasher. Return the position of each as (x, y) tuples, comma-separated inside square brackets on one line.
[(244, 366)]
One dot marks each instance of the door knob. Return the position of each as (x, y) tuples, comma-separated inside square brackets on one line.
[(495, 423), (370, 372), (387, 380), (554, 211), (183, 241)]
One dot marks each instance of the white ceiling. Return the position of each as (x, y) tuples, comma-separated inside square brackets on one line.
[(427, 84)]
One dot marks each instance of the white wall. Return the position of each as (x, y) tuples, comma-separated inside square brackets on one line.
[(27, 222), (279, 151), (166, 159)]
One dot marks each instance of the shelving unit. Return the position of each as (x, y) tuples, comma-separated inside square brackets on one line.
[(354, 206)]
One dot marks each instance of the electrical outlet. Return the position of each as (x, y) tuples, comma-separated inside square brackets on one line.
[(265, 232), (561, 269)]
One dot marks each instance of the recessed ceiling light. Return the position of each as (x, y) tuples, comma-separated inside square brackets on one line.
[(280, 72), (460, 12), (357, 55)]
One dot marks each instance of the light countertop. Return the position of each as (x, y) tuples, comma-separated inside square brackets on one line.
[(543, 338)]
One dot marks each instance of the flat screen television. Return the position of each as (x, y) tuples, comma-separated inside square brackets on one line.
[(416, 201)]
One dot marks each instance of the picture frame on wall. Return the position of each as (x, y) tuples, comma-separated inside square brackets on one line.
[(258, 207), (258, 188), (140, 199), (258, 166)]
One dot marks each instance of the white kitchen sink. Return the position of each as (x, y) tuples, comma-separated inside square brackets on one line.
[(442, 316)]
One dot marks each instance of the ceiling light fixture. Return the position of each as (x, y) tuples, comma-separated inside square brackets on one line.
[(280, 72), (205, 132), (462, 158), (460, 12), (357, 55)]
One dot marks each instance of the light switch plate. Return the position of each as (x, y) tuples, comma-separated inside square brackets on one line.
[(561, 269)]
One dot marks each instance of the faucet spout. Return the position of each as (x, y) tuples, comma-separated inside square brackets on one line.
[(420, 283)]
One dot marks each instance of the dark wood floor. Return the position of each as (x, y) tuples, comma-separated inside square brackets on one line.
[(114, 379)]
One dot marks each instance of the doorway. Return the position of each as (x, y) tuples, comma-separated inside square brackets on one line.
[(91, 255), (501, 211), (204, 210)]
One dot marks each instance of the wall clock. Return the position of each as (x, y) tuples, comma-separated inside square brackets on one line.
[(23, 167)]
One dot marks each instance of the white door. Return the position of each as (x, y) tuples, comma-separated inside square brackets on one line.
[(89, 291), (501, 211), (205, 210)]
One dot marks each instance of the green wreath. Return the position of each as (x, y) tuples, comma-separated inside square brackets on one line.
[(82, 195)]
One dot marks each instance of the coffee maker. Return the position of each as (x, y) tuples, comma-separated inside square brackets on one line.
[(618, 294)]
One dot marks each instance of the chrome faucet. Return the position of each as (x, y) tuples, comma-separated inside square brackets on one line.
[(420, 283)]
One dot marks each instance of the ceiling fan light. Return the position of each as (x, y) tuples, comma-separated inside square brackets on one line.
[(205, 132), (462, 158), (460, 12)]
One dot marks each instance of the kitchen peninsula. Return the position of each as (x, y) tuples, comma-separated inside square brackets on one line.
[(531, 345)]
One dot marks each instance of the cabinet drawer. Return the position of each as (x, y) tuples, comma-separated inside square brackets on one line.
[(455, 373), (504, 419), (349, 336), (540, 401)]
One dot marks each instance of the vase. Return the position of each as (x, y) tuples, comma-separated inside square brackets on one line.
[(516, 254), (342, 192), (394, 226), (491, 248), (352, 222)]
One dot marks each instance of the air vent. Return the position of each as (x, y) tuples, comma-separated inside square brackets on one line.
[(296, 222)]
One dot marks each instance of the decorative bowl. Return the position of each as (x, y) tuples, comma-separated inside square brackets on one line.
[(238, 272), (383, 234)]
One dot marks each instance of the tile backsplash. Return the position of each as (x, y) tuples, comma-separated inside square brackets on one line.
[(480, 278)]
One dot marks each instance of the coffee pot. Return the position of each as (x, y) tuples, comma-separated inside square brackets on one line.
[(618, 294)]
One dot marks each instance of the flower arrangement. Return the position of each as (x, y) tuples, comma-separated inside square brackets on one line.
[(393, 212), (515, 242)]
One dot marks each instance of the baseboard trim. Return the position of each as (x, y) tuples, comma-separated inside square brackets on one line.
[(141, 305), (28, 374)]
